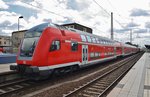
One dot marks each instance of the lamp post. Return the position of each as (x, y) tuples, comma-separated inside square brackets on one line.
[(18, 21)]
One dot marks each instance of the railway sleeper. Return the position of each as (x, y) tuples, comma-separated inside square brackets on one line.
[(95, 86), (92, 93), (20, 86), (84, 95), (11, 88), (102, 84), (102, 87), (91, 88), (25, 84), (96, 90)]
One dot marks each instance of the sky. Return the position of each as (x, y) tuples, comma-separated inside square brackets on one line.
[(129, 15)]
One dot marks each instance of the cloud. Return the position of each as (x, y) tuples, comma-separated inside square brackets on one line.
[(140, 31), (5, 23), (147, 25), (131, 25), (139, 12), (78, 5), (5, 32), (121, 30), (3, 5), (22, 9)]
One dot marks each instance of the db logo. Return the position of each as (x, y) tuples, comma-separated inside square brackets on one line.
[(24, 62)]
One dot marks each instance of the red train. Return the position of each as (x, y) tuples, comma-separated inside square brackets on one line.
[(49, 47)]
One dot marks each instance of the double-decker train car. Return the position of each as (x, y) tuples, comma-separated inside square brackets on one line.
[(48, 47)]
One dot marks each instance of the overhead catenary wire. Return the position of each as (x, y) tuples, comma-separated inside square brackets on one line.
[(101, 7), (108, 13), (68, 17), (117, 13), (45, 10), (74, 20)]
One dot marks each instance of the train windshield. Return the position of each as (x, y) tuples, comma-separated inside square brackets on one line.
[(30, 40)]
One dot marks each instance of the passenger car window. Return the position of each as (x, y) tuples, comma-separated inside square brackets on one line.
[(74, 46), (55, 45), (89, 38), (83, 38), (97, 40), (93, 40)]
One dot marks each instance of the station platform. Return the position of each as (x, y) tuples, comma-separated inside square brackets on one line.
[(7, 58), (5, 67), (136, 83)]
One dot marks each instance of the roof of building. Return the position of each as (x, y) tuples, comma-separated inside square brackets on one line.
[(75, 24), (19, 31)]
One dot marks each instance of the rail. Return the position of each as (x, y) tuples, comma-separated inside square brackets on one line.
[(102, 84)]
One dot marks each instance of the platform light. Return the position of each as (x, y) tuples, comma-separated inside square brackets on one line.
[(18, 21)]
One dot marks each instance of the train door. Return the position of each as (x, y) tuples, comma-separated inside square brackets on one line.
[(84, 54)]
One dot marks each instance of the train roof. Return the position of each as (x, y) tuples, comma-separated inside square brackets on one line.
[(127, 45), (77, 31), (87, 34)]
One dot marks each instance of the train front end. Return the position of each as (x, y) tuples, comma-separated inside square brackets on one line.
[(33, 51)]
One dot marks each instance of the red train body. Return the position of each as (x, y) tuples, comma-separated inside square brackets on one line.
[(48, 47)]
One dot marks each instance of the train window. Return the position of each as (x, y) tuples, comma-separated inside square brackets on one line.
[(89, 38), (96, 54), (55, 45), (97, 41), (100, 41), (93, 40), (74, 46), (83, 38), (107, 43), (91, 55), (103, 42)]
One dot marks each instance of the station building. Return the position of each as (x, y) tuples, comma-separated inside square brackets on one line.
[(78, 27), (5, 43), (17, 36)]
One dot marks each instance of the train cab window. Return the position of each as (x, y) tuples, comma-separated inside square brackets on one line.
[(74, 46), (55, 45), (83, 38), (89, 38)]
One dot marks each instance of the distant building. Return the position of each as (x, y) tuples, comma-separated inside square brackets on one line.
[(78, 27), (5, 41), (17, 37)]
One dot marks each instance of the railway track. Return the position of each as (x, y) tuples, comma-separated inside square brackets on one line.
[(14, 86), (100, 86), (10, 75)]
